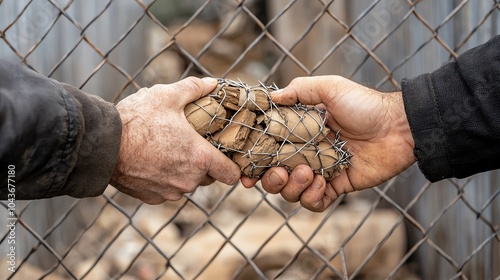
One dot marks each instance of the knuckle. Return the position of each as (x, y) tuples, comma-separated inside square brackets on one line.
[(297, 81), (200, 160), (154, 201), (233, 179), (207, 181), (272, 189), (190, 187), (174, 196), (315, 206), (156, 89), (289, 197), (194, 84), (316, 209)]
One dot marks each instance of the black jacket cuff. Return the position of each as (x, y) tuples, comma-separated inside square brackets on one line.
[(427, 127), (454, 114), (57, 139), (99, 147)]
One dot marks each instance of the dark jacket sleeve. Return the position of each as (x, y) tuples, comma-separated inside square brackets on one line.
[(57, 139), (454, 114)]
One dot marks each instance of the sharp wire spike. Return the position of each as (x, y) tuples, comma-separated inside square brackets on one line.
[(302, 113)]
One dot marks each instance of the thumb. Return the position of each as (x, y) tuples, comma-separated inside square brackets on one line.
[(191, 89), (305, 90), (222, 168)]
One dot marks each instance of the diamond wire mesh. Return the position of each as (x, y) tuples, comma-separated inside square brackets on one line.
[(406, 228)]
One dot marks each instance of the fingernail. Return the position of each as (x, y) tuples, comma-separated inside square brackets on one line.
[(275, 179), (300, 177), (276, 96), (209, 81), (279, 91)]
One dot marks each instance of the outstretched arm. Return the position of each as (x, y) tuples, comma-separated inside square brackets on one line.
[(452, 113), (62, 141), (374, 125)]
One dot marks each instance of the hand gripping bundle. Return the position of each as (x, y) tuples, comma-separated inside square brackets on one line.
[(244, 123)]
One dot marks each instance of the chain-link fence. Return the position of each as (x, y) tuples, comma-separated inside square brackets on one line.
[(406, 228)]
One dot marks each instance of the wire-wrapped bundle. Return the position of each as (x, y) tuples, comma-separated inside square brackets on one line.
[(245, 124)]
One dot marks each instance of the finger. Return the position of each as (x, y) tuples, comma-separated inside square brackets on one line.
[(206, 180), (312, 197), (305, 90), (274, 180), (330, 196), (221, 168), (248, 182), (330, 120), (144, 193), (174, 196), (341, 184), (187, 90), (321, 106), (301, 177), (152, 200)]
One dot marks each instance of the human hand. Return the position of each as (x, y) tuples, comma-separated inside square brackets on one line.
[(161, 155), (373, 124)]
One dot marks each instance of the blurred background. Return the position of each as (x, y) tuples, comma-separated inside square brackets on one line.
[(406, 228)]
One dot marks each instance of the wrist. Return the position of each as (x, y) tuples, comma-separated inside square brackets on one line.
[(117, 172), (401, 127)]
